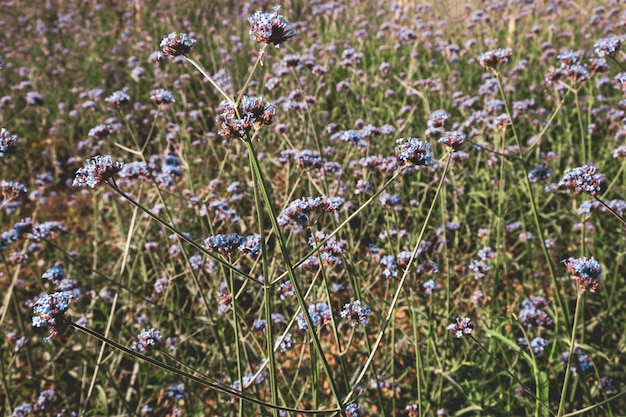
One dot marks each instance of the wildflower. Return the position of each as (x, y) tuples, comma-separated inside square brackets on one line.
[(319, 312), (284, 343), (438, 119), (532, 312), (12, 189), (606, 383), (7, 142), (479, 268), (413, 410), (252, 112), (607, 47), (412, 151), (100, 132), (582, 180), (285, 290), (538, 344), (147, 339), (430, 286), (492, 59), (49, 311), (118, 99), (177, 391), (586, 271), (161, 96), (539, 173), (356, 313), (54, 274), (390, 266), (462, 326), (44, 398), (454, 141), (34, 99), (352, 410), (98, 169), (224, 243), (177, 44), (296, 212), (619, 81), (270, 28)]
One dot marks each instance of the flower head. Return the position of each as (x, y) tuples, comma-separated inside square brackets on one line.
[(177, 44), (454, 141), (270, 28), (320, 314), (356, 313), (49, 311), (161, 96), (117, 99), (492, 59), (7, 142), (582, 180), (98, 169), (412, 151), (607, 47), (462, 326), (586, 271), (147, 339)]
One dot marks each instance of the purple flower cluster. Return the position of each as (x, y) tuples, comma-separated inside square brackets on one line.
[(98, 169), (320, 314), (162, 96), (118, 99), (607, 47), (177, 44), (228, 244), (539, 173), (270, 28), (356, 313), (237, 123), (7, 142), (582, 179), (462, 326), (453, 141), (586, 271), (284, 343), (177, 391), (584, 360), (296, 212), (412, 151), (533, 312), (492, 59), (147, 340), (49, 311), (538, 344)]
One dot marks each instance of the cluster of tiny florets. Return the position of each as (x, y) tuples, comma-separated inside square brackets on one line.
[(228, 244), (539, 173), (117, 99), (607, 47), (252, 112), (162, 96), (533, 312), (49, 311), (98, 169), (586, 271), (492, 59), (7, 142), (320, 314), (462, 326), (297, 211), (270, 28), (147, 340), (176, 44), (412, 151), (454, 141), (356, 313), (582, 179)]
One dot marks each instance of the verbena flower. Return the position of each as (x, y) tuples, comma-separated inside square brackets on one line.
[(49, 311), (582, 180), (177, 44), (539, 173), (12, 189), (533, 312), (270, 28), (7, 142), (177, 391), (492, 59), (296, 212), (320, 314), (352, 410), (147, 340), (161, 96), (586, 271), (118, 99), (454, 141), (251, 112), (356, 313), (607, 47), (412, 151), (462, 326), (98, 169)]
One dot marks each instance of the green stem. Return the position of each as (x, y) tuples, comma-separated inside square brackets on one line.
[(572, 343)]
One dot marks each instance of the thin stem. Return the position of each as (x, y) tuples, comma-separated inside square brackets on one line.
[(571, 354), (210, 79), (610, 210)]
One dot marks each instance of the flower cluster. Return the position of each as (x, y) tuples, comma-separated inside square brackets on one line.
[(284, 343), (118, 99), (296, 212), (492, 59), (462, 326), (539, 173), (584, 361), (454, 141), (147, 340), (98, 169), (607, 47), (7, 142), (330, 252), (533, 312), (412, 151), (270, 28), (538, 344), (582, 180), (320, 314), (228, 244), (49, 311), (236, 123), (177, 44), (586, 271), (177, 391), (162, 96), (356, 313)]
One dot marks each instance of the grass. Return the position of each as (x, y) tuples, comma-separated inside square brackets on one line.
[(215, 273)]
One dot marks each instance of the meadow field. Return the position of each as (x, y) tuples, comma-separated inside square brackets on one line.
[(336, 208)]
